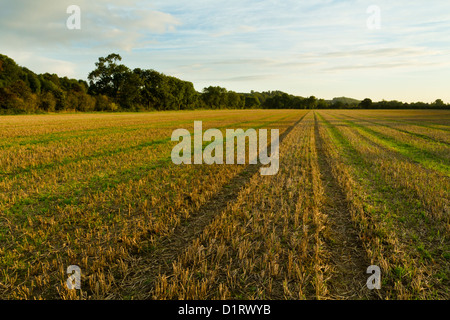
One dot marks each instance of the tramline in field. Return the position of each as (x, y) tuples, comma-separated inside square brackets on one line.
[(353, 189)]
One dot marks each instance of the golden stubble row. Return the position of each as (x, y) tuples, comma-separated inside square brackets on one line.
[(18, 153), (431, 187), (268, 244), (103, 229), (19, 128), (76, 162), (387, 241), (438, 148), (424, 123)]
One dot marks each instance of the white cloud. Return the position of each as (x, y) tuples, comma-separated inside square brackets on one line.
[(108, 24), (42, 64), (318, 46)]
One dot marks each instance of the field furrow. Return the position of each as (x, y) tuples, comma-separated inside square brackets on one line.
[(170, 248), (347, 254), (266, 244), (355, 188), (93, 212), (419, 143), (403, 236), (434, 160)]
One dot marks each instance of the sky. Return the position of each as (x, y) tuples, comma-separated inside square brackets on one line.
[(392, 50)]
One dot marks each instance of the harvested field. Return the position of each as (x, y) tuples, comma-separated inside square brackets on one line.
[(354, 189)]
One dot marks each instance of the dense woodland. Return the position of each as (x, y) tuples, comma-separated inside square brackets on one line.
[(113, 86)]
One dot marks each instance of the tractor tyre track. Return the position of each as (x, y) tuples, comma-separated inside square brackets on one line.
[(346, 252), (141, 282)]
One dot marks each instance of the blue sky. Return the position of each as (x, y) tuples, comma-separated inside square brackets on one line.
[(322, 48)]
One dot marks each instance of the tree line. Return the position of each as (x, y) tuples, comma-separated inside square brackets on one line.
[(112, 86)]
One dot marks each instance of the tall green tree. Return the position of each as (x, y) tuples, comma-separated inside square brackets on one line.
[(108, 77), (366, 103), (215, 97)]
